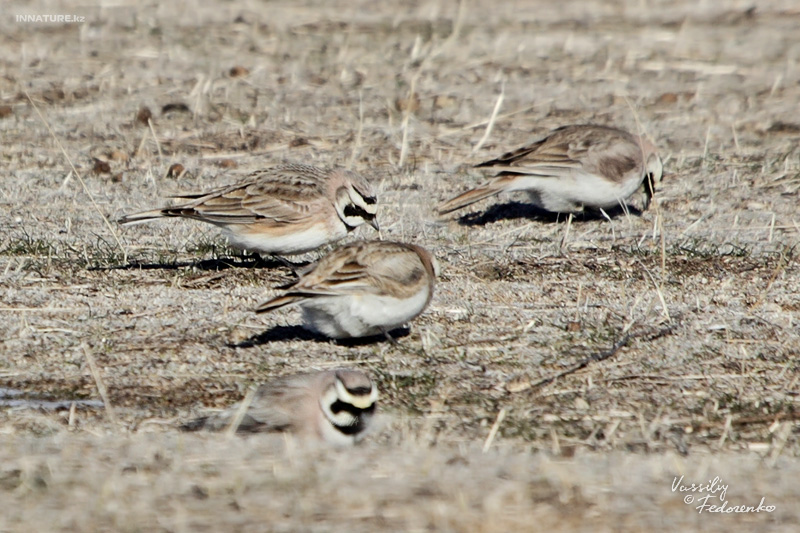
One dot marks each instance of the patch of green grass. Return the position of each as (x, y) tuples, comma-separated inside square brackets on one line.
[(217, 247), (695, 247), (26, 245), (44, 255), (707, 249)]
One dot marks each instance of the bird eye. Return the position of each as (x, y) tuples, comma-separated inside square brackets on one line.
[(369, 200), (359, 391)]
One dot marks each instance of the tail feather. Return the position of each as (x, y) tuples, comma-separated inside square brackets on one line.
[(197, 424), (222, 420), (165, 212), (278, 302), (217, 422), (470, 197), (190, 195), (144, 216)]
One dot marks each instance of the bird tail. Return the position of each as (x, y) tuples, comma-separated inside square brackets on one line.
[(217, 422), (144, 216), (470, 197), (222, 420), (278, 302), (204, 422)]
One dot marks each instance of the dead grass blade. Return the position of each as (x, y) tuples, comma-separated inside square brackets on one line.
[(493, 432), (406, 118), (101, 386), (80, 178), (360, 132), (497, 105), (241, 412)]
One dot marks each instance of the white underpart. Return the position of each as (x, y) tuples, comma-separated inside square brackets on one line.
[(333, 436), (566, 193), (360, 315), (291, 243)]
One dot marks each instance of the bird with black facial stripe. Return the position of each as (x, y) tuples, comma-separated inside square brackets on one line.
[(284, 210), (332, 406), (576, 167)]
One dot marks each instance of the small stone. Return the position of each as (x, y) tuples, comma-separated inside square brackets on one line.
[(667, 98), (175, 107), (581, 404), (520, 385), (410, 104), (118, 155), (175, 170), (238, 71), (101, 167), (144, 115)]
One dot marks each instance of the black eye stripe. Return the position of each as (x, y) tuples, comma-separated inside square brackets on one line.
[(360, 416), (351, 210), (369, 200), (359, 391)]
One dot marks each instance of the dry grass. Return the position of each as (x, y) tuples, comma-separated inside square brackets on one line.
[(698, 295)]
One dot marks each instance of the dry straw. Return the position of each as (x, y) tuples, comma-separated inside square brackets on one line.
[(80, 179)]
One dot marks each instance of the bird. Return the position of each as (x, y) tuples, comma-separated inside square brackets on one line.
[(361, 289), (332, 406), (284, 210), (572, 168)]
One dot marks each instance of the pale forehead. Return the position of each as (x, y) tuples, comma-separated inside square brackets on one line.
[(353, 378), (358, 180)]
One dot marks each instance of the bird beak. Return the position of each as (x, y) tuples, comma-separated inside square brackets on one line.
[(374, 224)]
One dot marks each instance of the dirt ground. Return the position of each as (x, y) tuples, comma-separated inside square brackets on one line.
[(564, 377)]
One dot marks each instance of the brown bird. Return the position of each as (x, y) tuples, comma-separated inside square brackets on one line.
[(333, 406), (572, 168), (363, 288), (288, 209)]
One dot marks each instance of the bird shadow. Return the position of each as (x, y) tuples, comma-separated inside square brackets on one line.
[(211, 265), (517, 210), (298, 333)]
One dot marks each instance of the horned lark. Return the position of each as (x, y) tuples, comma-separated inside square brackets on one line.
[(288, 209), (334, 406), (361, 289), (572, 168)]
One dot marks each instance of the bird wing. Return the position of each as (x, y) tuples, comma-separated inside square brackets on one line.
[(343, 271), (275, 405), (615, 159), (593, 149), (283, 195), (541, 158), (346, 270)]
